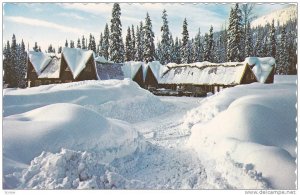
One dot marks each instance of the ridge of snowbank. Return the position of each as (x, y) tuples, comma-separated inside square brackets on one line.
[(110, 98), (252, 124)]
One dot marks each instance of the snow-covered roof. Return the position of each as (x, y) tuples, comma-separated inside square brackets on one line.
[(107, 71), (157, 69), (204, 73), (262, 67), (39, 60), (76, 59), (101, 59), (131, 68), (52, 70)]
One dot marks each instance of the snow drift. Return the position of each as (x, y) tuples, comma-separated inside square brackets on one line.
[(120, 99), (253, 125)]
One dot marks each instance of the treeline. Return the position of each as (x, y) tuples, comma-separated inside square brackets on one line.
[(232, 43)]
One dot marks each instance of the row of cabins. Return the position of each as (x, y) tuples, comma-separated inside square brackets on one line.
[(76, 65)]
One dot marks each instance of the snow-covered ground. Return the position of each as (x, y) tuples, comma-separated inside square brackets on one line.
[(113, 134)]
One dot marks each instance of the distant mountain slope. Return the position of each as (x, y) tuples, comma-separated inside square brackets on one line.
[(280, 16)]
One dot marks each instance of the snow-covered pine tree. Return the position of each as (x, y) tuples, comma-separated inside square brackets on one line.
[(14, 62), (177, 46), (172, 45), (72, 44), (249, 42), (139, 42), (133, 42), (59, 50), (83, 43), (185, 58), (197, 47), (50, 48), (116, 42), (93, 44), (258, 51), (105, 46), (209, 45), (39, 50), (165, 40), (158, 52), (100, 45), (282, 67), (7, 65), (128, 46), (235, 35), (78, 43), (292, 51), (272, 38), (149, 48), (90, 42), (23, 65), (265, 49), (36, 47), (66, 43)]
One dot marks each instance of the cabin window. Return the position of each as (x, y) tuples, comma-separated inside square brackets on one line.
[(67, 69), (252, 76), (38, 83), (47, 82)]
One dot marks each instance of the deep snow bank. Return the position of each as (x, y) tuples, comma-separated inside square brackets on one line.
[(120, 99), (45, 131), (252, 125), (70, 126)]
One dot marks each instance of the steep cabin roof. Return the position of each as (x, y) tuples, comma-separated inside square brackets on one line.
[(39, 61), (204, 73), (263, 68), (76, 59), (46, 65)]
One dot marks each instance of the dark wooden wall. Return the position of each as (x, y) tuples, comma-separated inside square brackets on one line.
[(150, 79)]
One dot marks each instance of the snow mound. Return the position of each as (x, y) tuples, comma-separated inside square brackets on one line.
[(101, 59), (107, 97), (253, 125), (70, 169), (70, 126)]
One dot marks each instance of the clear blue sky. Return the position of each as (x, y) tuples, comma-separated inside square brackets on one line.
[(47, 23)]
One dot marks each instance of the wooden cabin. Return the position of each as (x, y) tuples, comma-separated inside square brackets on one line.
[(71, 65), (206, 77)]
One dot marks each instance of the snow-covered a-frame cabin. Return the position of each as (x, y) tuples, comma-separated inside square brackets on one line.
[(71, 65)]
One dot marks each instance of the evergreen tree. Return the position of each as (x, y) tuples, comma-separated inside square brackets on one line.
[(133, 43), (100, 45), (72, 44), (7, 65), (197, 47), (139, 41), (235, 34), (59, 50), (209, 46), (258, 45), (172, 49), (249, 42), (105, 45), (165, 40), (272, 45), (23, 65), (185, 58), (50, 49), (158, 51), (283, 55), (128, 46), (35, 48), (177, 46), (39, 50), (78, 43), (149, 48), (14, 62), (116, 42), (83, 43), (66, 43)]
